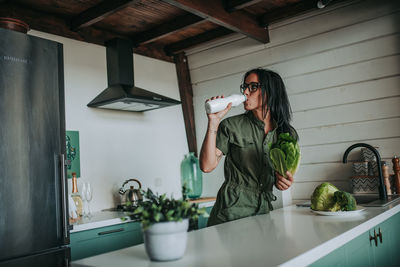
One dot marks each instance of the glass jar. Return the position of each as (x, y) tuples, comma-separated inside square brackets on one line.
[(191, 176)]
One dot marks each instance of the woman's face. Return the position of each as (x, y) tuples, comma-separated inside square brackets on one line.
[(254, 99)]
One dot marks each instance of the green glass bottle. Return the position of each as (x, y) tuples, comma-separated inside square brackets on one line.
[(191, 176)]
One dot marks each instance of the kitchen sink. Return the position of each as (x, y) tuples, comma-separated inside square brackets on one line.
[(374, 201)]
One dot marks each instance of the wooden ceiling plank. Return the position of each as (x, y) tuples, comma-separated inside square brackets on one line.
[(167, 28), (99, 12), (287, 11), (235, 5), (214, 11), (195, 40), (56, 25)]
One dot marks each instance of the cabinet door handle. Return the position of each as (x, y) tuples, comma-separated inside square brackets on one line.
[(375, 238), (64, 188), (111, 231), (380, 235)]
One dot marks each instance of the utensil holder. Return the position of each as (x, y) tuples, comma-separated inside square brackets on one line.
[(360, 168), (366, 184)]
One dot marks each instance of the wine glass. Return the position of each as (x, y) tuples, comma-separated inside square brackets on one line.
[(83, 196), (88, 196)]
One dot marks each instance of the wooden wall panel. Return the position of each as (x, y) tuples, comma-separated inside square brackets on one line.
[(357, 72), (333, 153), (348, 93), (357, 131), (345, 114), (303, 191)]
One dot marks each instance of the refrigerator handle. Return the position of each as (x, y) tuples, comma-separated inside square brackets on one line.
[(64, 200)]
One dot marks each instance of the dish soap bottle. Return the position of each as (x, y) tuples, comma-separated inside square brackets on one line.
[(76, 196), (191, 176), (219, 104)]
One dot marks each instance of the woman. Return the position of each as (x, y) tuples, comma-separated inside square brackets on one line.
[(244, 140)]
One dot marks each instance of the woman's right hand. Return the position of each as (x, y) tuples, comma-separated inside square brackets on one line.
[(217, 117)]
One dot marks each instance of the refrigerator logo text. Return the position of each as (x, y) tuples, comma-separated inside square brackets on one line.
[(16, 59)]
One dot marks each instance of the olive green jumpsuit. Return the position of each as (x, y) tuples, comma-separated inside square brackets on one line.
[(249, 176)]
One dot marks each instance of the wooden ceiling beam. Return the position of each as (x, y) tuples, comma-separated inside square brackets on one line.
[(167, 28), (56, 25), (186, 94), (213, 10), (196, 40), (287, 11), (99, 12), (235, 5)]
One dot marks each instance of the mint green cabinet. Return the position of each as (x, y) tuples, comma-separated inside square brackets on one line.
[(100, 240), (336, 258), (363, 252), (357, 251), (383, 254)]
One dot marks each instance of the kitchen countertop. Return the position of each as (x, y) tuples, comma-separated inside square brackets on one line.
[(108, 218), (100, 219), (291, 236)]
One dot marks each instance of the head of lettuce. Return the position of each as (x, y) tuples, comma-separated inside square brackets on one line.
[(327, 197), (285, 154)]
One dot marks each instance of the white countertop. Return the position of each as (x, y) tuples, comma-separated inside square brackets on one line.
[(100, 219), (107, 218), (291, 236)]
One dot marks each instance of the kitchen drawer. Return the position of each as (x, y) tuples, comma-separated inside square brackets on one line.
[(100, 240)]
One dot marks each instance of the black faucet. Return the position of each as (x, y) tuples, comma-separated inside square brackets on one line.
[(382, 188)]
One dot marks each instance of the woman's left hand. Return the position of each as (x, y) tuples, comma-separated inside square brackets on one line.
[(283, 183)]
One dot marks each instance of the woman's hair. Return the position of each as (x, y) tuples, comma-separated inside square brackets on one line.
[(273, 89)]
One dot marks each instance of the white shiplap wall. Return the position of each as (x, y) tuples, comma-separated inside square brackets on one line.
[(341, 66)]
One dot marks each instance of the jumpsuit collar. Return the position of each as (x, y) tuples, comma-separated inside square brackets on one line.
[(259, 123)]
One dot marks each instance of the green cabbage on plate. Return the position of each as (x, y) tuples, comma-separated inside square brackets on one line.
[(322, 197), (285, 154), (326, 197)]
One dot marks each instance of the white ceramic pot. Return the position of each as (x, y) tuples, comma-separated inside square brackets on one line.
[(166, 241)]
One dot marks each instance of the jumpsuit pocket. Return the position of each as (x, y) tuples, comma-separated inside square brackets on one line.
[(242, 150), (245, 205), (230, 199), (241, 142)]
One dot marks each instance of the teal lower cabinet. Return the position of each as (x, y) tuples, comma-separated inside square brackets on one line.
[(377, 247), (100, 240), (202, 222), (358, 251), (336, 258), (385, 252)]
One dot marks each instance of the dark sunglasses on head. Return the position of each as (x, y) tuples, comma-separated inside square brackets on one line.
[(252, 87)]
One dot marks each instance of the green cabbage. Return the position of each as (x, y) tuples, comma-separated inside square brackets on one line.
[(322, 197), (326, 197), (285, 154)]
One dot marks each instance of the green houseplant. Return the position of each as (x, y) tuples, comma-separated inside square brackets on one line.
[(165, 224)]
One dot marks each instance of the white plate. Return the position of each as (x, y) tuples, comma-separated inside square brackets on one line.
[(340, 213)]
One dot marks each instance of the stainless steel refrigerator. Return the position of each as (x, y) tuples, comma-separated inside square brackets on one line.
[(33, 188)]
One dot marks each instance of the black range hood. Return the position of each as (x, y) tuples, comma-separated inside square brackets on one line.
[(121, 93)]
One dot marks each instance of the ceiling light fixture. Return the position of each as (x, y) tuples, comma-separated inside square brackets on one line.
[(323, 3)]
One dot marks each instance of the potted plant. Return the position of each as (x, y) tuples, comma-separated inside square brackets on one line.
[(165, 224)]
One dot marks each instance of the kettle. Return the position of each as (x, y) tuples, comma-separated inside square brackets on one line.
[(131, 195)]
